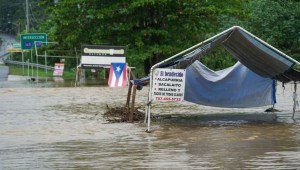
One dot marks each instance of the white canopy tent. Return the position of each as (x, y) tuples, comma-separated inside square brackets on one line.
[(257, 57)]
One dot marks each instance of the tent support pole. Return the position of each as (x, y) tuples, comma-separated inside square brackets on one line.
[(149, 118), (189, 49), (295, 99), (150, 99), (172, 57), (148, 112)]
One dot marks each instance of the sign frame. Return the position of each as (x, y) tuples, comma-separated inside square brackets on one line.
[(98, 56), (168, 84)]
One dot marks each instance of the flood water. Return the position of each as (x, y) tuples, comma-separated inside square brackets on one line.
[(50, 127)]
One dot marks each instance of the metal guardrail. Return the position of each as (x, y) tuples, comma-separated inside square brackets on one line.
[(3, 55), (28, 64)]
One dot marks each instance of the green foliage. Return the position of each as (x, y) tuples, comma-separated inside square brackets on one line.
[(152, 30), (218, 59), (278, 23), (13, 15)]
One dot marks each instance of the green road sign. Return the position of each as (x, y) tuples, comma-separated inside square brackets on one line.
[(28, 41)]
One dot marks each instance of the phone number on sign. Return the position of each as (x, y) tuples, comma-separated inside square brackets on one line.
[(168, 99)]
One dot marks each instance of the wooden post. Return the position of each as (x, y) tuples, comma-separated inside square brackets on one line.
[(128, 96), (104, 74), (77, 77), (129, 89), (130, 116)]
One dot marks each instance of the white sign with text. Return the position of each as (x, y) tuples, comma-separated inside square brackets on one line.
[(168, 85)]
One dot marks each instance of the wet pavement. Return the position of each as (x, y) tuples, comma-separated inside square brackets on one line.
[(4, 70), (45, 126)]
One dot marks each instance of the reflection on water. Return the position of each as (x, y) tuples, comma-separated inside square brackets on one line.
[(63, 128)]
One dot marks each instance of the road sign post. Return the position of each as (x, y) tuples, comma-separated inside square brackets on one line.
[(29, 41), (33, 40)]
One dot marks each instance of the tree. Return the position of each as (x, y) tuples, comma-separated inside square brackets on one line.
[(278, 23), (152, 30), (8, 13), (13, 15)]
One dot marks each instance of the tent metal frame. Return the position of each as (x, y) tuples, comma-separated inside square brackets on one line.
[(148, 109)]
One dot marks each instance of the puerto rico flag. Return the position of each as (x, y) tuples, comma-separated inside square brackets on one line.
[(117, 75)]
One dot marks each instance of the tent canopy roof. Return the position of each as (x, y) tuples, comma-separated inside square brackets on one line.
[(260, 57), (257, 55), (252, 52)]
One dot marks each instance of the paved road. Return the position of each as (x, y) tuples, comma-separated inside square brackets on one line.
[(4, 73), (7, 42)]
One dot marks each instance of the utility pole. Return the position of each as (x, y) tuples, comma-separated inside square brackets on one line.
[(27, 17)]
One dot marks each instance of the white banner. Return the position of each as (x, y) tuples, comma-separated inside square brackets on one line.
[(168, 85), (98, 56)]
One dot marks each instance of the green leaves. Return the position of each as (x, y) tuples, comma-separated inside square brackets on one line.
[(278, 23), (153, 30)]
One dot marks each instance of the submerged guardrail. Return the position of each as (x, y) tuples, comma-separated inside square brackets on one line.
[(28, 64), (3, 55)]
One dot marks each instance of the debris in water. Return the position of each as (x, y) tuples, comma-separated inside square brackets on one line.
[(121, 114), (272, 110)]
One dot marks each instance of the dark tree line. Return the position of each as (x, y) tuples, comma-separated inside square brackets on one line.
[(153, 30)]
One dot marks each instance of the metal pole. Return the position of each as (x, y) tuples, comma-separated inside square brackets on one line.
[(77, 68), (76, 78), (149, 119), (295, 99), (149, 101), (27, 17), (28, 68), (172, 57), (46, 66), (31, 63), (23, 63), (37, 60)]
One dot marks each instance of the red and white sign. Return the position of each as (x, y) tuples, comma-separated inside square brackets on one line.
[(58, 69)]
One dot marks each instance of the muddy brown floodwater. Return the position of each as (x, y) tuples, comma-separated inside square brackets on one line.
[(64, 128)]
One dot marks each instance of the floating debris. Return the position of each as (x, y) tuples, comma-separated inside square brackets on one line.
[(121, 114), (272, 110)]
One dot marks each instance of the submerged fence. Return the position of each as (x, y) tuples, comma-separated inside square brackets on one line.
[(28, 64)]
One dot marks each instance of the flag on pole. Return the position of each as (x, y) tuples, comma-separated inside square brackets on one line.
[(117, 75)]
